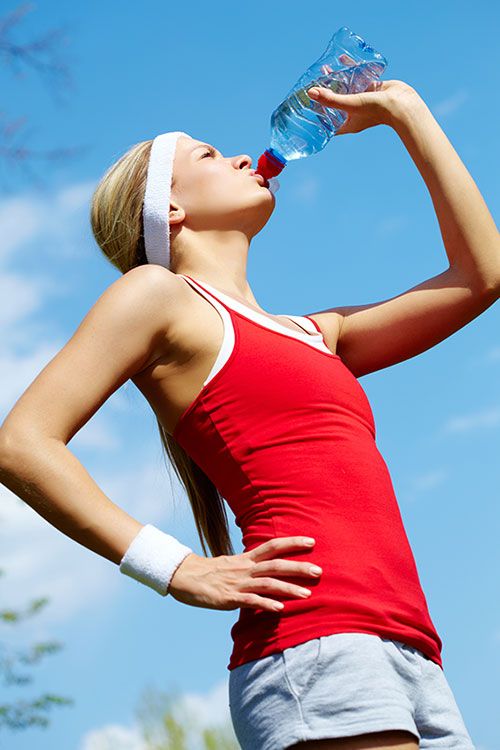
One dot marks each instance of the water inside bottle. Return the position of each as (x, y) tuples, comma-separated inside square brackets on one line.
[(301, 126)]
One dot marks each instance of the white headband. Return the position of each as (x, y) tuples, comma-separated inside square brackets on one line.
[(156, 207)]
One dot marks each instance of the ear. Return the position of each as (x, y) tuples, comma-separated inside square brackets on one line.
[(176, 213)]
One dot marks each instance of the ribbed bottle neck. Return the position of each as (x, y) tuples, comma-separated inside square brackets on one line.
[(270, 164)]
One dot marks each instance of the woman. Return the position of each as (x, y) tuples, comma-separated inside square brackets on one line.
[(266, 412)]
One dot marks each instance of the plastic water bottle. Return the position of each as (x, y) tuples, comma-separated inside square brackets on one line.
[(299, 125)]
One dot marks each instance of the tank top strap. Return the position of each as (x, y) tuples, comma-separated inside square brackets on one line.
[(306, 322), (209, 295), (229, 336)]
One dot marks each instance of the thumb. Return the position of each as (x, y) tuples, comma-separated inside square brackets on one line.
[(343, 101)]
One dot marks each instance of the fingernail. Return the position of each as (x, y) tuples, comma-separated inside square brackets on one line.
[(313, 92), (308, 540), (315, 570)]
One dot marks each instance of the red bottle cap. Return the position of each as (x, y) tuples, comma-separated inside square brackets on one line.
[(268, 165)]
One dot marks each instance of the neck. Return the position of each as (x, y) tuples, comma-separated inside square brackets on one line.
[(224, 267)]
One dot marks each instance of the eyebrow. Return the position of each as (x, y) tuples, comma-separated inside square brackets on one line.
[(202, 145)]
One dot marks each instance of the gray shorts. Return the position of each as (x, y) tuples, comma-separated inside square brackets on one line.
[(341, 685)]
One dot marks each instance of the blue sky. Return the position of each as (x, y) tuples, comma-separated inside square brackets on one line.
[(353, 224)]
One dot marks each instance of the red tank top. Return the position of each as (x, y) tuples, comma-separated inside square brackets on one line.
[(285, 432)]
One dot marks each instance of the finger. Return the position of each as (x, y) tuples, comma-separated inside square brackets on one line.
[(274, 546), (375, 86), (343, 101), (285, 568), (254, 601), (275, 586)]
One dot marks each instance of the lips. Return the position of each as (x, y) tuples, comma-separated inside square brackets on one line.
[(261, 179)]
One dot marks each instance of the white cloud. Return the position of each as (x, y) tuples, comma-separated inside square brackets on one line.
[(27, 341), (19, 370), (194, 711), (489, 356), (97, 433), (39, 560), (423, 483), (113, 737), (48, 219), (73, 197), (21, 218), (449, 105), (20, 296), (429, 480), (475, 421), (306, 190), (493, 354), (53, 217), (124, 399), (390, 225), (210, 709)]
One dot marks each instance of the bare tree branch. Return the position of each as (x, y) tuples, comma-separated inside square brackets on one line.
[(40, 55)]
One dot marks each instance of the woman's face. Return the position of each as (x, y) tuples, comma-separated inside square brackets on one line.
[(218, 192)]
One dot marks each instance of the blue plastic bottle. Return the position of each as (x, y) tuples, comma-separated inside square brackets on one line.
[(299, 125)]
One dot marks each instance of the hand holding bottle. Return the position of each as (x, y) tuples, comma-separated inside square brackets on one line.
[(299, 127), (379, 104)]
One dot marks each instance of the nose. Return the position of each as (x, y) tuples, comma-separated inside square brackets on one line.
[(242, 161)]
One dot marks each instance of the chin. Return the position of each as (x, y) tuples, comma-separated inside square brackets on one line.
[(265, 215)]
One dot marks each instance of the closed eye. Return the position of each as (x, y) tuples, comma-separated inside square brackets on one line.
[(210, 152)]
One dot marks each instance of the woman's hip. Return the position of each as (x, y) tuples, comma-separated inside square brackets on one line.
[(341, 685)]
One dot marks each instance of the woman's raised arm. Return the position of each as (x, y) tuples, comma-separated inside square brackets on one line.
[(372, 336), (470, 236)]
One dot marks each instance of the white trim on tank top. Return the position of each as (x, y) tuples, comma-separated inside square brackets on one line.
[(315, 340), (258, 317), (305, 323)]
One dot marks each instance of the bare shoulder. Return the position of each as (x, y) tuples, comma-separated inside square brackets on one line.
[(124, 330), (145, 301), (152, 281), (148, 290)]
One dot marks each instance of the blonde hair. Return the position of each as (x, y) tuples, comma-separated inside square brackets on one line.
[(116, 221)]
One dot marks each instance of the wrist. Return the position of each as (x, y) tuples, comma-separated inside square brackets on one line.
[(153, 557), (405, 109)]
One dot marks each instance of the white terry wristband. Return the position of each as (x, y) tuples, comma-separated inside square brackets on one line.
[(153, 557)]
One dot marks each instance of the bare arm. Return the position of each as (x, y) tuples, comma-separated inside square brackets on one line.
[(471, 239), (372, 336), (121, 335), (470, 236), (118, 337)]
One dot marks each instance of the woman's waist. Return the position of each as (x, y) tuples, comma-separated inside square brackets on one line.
[(341, 608), (354, 574), (346, 538), (314, 494), (250, 644)]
